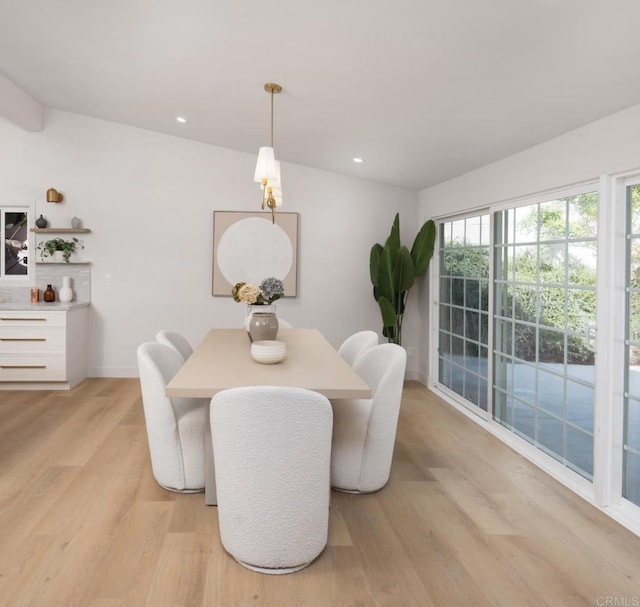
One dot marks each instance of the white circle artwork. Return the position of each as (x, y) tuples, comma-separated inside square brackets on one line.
[(253, 249)]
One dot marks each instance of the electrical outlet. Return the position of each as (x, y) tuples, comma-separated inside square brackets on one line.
[(107, 280)]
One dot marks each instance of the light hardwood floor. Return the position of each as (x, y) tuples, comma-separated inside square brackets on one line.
[(463, 521)]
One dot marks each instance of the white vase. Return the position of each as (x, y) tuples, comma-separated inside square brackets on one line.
[(65, 294)]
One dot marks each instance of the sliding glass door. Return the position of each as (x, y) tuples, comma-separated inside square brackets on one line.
[(463, 331), (541, 375), (631, 446), (544, 326)]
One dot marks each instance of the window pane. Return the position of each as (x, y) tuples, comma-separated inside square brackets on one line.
[(551, 347), (583, 216), (444, 371), (582, 264), (445, 318), (473, 231), (633, 425), (457, 321), (463, 306), (634, 263), (580, 405), (444, 343), (550, 435), (551, 392), (553, 220), (580, 451), (445, 290), (631, 489), (472, 325), (524, 420), (552, 306)]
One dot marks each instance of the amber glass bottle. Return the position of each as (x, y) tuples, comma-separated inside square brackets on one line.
[(49, 294)]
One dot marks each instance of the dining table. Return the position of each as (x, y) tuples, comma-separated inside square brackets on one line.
[(223, 360)]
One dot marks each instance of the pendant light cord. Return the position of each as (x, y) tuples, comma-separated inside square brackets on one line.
[(271, 117)]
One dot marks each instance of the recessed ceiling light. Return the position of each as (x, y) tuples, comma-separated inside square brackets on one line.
[(358, 160), (181, 120)]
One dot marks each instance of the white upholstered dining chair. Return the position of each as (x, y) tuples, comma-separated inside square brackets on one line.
[(364, 430), (356, 344), (175, 426), (272, 448), (176, 341)]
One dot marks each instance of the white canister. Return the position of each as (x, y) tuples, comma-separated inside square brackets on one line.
[(65, 294)]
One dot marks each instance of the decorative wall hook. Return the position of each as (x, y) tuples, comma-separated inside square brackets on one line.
[(54, 196)]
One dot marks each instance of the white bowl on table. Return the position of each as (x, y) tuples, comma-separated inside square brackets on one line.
[(268, 352)]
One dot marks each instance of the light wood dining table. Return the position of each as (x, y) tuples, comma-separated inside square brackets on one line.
[(223, 360)]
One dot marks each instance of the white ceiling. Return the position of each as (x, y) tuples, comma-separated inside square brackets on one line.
[(423, 90)]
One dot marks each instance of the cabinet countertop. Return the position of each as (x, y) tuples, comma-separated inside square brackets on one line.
[(41, 306)]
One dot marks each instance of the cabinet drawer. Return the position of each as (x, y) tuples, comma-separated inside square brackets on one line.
[(32, 367), (32, 318), (32, 339)]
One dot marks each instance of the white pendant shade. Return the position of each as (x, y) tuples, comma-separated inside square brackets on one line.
[(266, 165)]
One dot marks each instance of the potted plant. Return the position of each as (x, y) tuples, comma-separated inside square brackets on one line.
[(49, 248), (394, 269)]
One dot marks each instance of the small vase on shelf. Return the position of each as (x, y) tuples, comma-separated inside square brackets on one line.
[(49, 294), (41, 222), (66, 292)]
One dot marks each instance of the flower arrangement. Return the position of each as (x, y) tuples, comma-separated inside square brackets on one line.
[(269, 290)]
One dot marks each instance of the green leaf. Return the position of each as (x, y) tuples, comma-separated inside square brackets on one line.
[(374, 263), (401, 301), (423, 245), (393, 242), (388, 313), (403, 271), (385, 275)]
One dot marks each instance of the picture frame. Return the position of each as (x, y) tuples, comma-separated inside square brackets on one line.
[(248, 247)]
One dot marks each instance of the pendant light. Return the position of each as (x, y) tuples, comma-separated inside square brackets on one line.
[(267, 172)]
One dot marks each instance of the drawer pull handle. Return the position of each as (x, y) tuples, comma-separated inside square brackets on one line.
[(25, 319), (23, 339), (23, 366)]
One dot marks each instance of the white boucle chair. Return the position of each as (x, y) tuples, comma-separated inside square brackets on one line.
[(355, 345), (364, 430), (272, 448), (175, 426), (175, 341)]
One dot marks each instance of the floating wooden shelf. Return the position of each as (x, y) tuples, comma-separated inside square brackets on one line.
[(62, 263), (61, 230)]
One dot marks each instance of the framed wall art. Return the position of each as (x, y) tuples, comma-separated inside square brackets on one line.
[(248, 247)]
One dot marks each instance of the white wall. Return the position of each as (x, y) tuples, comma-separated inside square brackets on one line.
[(607, 146), (149, 200)]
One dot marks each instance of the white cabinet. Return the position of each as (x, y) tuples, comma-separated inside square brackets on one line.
[(47, 347)]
